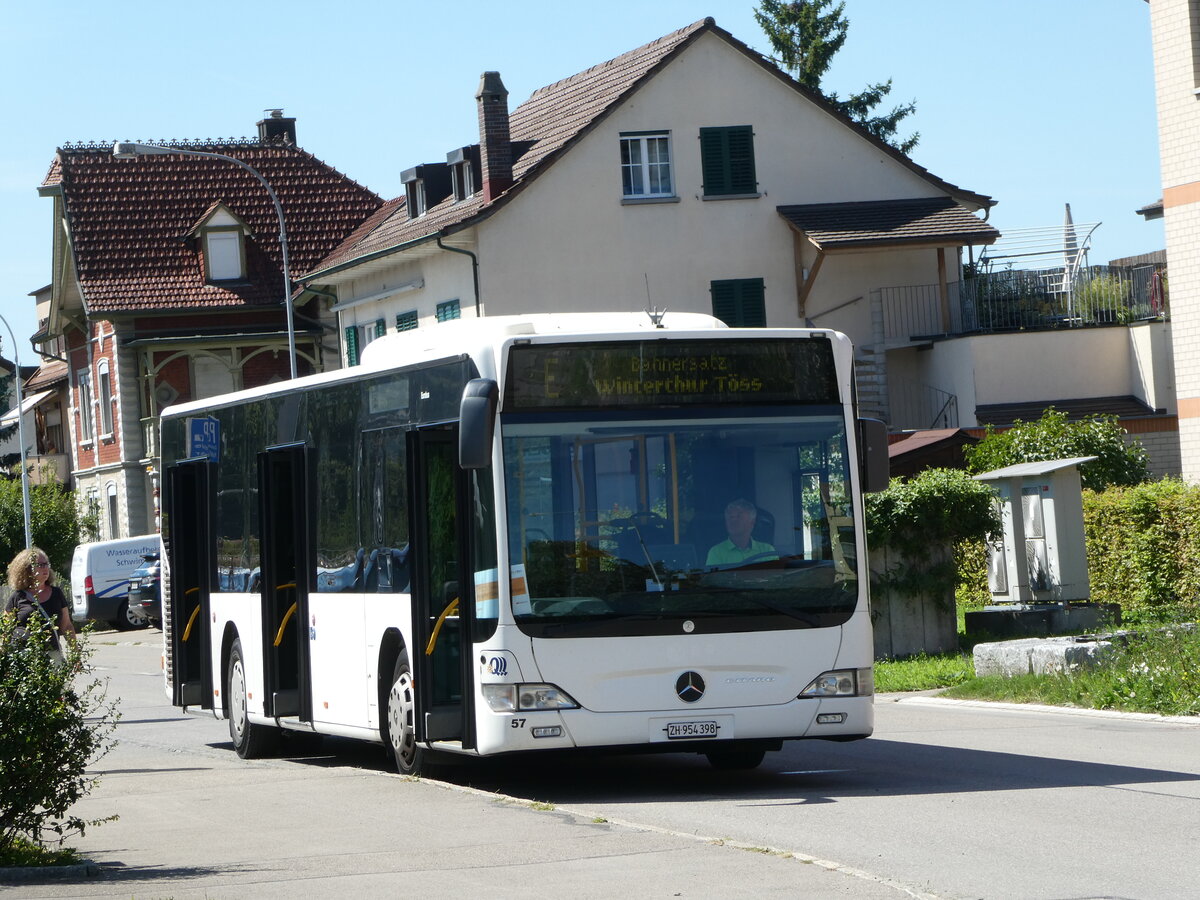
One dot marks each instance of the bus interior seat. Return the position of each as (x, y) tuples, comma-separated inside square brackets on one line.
[(397, 569), (764, 526)]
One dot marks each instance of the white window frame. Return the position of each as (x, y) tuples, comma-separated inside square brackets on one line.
[(112, 510), (637, 169), (416, 198), (83, 396), (464, 181), (224, 255), (104, 385)]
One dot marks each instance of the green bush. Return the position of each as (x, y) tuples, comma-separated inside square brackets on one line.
[(1143, 548), (1053, 437), (917, 517), (54, 722)]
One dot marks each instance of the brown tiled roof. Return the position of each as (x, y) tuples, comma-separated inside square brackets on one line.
[(49, 373), (1007, 413), (556, 116), (925, 220), (129, 220)]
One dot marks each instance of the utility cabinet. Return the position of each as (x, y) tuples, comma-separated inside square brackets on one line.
[(1042, 557)]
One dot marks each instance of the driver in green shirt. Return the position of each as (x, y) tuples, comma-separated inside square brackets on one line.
[(740, 516)]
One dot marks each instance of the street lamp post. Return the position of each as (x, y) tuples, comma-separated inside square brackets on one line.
[(123, 150), (21, 435)]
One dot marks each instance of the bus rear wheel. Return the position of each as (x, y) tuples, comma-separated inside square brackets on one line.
[(250, 740), (410, 758)]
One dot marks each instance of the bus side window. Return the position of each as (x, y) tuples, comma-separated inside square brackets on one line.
[(383, 496)]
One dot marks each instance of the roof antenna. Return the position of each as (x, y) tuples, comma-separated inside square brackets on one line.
[(652, 311)]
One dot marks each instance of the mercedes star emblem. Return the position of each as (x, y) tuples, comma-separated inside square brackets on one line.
[(689, 687)]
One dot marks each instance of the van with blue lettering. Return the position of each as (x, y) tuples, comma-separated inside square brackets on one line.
[(100, 573)]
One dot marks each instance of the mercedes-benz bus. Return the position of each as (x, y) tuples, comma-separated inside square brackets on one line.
[(605, 531)]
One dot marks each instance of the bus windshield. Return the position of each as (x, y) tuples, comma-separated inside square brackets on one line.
[(704, 521)]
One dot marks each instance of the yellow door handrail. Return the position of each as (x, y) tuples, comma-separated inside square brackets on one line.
[(187, 632), (282, 625), (450, 610)]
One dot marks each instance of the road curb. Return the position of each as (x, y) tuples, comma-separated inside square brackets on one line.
[(1190, 721), (25, 874)]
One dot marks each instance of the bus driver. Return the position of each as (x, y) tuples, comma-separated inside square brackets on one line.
[(740, 516)]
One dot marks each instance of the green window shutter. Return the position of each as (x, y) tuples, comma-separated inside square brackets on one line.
[(740, 302), (448, 310), (727, 160), (351, 346), (406, 321), (380, 328)]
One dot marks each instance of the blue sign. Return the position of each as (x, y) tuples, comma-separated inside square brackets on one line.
[(204, 438)]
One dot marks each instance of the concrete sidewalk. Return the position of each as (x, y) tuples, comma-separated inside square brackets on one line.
[(198, 822)]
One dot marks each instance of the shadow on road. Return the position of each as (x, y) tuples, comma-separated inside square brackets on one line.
[(803, 773)]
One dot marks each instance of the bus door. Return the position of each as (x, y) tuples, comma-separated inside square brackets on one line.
[(442, 590), (286, 527), (190, 551)]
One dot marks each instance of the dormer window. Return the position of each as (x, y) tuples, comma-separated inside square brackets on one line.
[(416, 198), (464, 172), (425, 187), (222, 237)]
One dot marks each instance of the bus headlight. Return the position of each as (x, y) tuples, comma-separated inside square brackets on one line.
[(841, 683), (504, 698)]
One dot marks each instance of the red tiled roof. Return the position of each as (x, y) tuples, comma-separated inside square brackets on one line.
[(888, 222), (129, 220), (556, 116)]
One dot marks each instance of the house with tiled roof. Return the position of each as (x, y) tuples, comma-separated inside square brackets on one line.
[(689, 175), (168, 286)]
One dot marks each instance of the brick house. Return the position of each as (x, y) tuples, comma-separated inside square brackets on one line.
[(167, 286)]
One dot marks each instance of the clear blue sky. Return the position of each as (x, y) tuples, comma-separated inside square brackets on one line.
[(1034, 103)]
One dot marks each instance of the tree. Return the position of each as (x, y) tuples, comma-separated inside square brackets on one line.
[(1053, 437), (53, 519), (805, 38), (8, 395)]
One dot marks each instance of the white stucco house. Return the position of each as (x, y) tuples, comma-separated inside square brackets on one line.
[(689, 174)]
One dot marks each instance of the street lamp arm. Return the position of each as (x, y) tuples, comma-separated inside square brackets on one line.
[(127, 150)]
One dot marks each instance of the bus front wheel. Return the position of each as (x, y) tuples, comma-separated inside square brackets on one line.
[(250, 740), (410, 758)]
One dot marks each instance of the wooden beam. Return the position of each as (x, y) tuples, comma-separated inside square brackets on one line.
[(943, 289), (806, 286)]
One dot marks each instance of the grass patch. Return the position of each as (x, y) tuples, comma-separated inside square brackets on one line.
[(1153, 672), (23, 852), (923, 673)]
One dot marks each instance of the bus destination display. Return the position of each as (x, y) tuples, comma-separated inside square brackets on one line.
[(670, 373)]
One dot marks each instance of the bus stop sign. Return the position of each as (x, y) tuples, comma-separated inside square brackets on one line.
[(204, 438)]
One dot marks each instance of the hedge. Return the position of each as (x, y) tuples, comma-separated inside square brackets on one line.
[(1143, 548)]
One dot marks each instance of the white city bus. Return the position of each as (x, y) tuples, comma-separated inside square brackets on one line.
[(518, 534)]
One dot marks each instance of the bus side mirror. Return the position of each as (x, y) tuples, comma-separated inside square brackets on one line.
[(873, 455), (477, 423)]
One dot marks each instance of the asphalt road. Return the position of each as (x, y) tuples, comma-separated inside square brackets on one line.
[(947, 800)]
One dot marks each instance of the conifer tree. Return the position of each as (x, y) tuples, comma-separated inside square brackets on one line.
[(805, 35)]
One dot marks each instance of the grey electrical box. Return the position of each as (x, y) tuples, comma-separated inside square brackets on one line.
[(1042, 558)]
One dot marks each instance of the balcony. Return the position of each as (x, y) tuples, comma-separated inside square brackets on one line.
[(1022, 300)]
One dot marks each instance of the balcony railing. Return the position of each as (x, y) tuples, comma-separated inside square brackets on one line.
[(1024, 299), (916, 405)]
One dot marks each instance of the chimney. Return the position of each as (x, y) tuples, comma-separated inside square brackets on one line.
[(495, 147), (276, 129)]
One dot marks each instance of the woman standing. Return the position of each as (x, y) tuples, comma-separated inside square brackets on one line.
[(30, 578)]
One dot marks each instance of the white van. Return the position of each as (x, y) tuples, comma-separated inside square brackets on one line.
[(100, 579)]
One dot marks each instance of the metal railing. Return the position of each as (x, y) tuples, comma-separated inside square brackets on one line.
[(1024, 299), (916, 405)]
